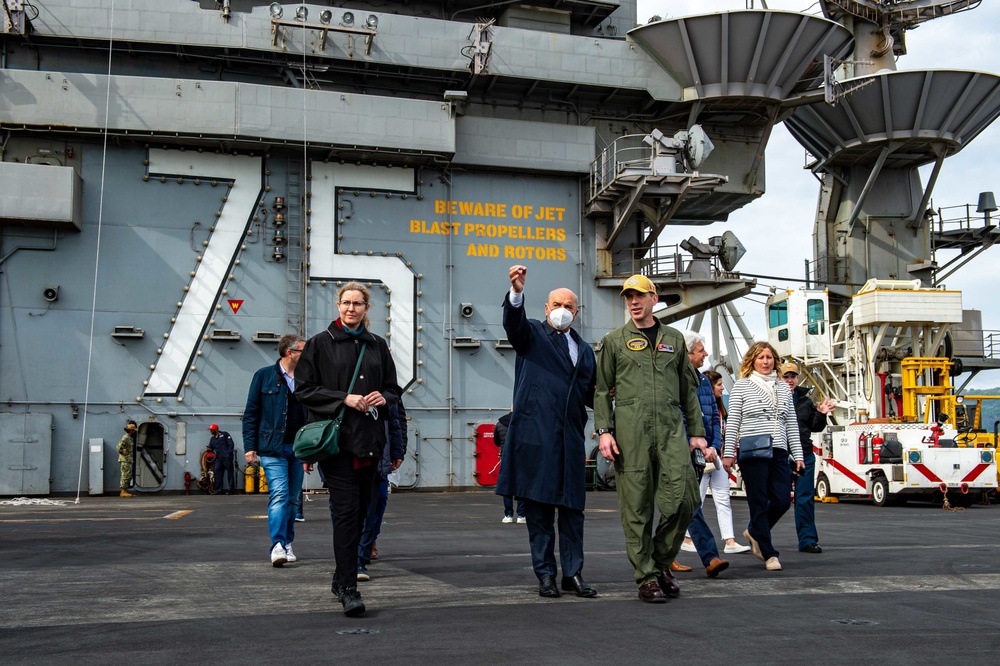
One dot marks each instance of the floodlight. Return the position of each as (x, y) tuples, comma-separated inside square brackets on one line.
[(325, 17), (276, 10), (371, 22), (301, 13), (347, 19)]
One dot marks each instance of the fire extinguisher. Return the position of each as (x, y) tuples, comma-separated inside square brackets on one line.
[(863, 448), (877, 448)]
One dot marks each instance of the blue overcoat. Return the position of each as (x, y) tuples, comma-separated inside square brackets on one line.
[(544, 457)]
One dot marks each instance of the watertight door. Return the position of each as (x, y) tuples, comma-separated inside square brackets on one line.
[(487, 456), (25, 454), (150, 456)]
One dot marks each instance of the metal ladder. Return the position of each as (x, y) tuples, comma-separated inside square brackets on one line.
[(294, 233)]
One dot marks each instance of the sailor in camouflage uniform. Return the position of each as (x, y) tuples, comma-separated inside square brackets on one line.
[(126, 450)]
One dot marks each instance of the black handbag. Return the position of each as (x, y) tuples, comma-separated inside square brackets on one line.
[(758, 447), (319, 440), (755, 447)]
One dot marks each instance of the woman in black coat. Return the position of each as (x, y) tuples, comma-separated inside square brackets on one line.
[(322, 378)]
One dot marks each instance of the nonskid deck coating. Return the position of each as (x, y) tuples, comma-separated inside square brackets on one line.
[(113, 578)]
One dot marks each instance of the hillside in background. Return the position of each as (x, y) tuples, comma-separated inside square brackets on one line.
[(991, 408)]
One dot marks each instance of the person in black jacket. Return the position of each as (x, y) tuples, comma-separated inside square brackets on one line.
[(811, 418), (225, 451), (499, 437), (322, 378)]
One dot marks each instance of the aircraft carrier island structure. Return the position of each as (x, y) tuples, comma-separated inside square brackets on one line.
[(182, 182)]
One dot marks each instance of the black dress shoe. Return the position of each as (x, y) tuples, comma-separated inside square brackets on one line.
[(547, 587), (652, 594), (576, 584), (669, 586), (812, 548), (353, 606)]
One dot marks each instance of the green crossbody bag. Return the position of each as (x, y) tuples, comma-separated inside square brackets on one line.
[(319, 440)]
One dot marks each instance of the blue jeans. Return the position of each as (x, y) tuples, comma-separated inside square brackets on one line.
[(284, 482), (508, 506), (703, 538), (805, 510), (373, 521), (701, 534)]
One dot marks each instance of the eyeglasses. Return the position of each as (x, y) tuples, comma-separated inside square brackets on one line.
[(295, 351), (788, 375), (357, 304)]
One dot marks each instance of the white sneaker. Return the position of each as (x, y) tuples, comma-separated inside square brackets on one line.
[(772, 564), (736, 548), (507, 519), (689, 547), (289, 555), (521, 520), (278, 556)]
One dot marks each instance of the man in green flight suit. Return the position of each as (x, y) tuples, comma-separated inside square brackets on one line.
[(126, 449), (644, 381)]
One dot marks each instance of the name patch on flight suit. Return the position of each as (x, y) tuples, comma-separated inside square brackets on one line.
[(664, 348), (637, 344)]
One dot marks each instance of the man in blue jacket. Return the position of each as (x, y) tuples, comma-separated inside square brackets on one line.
[(544, 458), (701, 533), (271, 418)]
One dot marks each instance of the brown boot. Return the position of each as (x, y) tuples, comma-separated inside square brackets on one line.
[(125, 493), (677, 566)]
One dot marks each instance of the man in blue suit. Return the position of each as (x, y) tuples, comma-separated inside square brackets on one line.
[(544, 459)]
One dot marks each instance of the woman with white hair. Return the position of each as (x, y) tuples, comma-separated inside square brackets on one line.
[(717, 479)]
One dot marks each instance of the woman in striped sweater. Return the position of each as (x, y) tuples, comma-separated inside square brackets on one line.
[(761, 404)]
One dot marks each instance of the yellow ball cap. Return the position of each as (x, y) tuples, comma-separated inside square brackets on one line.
[(639, 283)]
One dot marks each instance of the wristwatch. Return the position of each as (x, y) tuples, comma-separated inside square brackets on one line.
[(602, 431)]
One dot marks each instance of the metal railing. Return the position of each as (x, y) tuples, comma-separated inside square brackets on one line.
[(627, 151), (960, 218), (667, 261), (991, 344), (825, 271)]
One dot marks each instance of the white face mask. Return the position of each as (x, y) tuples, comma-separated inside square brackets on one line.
[(560, 318)]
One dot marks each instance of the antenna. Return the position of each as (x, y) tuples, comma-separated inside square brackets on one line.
[(833, 89)]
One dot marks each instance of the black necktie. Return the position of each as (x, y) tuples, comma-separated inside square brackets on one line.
[(565, 337)]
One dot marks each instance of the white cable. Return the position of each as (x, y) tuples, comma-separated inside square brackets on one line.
[(97, 257), (304, 190), (32, 501)]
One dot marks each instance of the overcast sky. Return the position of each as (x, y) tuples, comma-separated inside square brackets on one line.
[(962, 41)]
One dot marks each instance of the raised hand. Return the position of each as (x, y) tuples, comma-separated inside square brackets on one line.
[(518, 274)]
